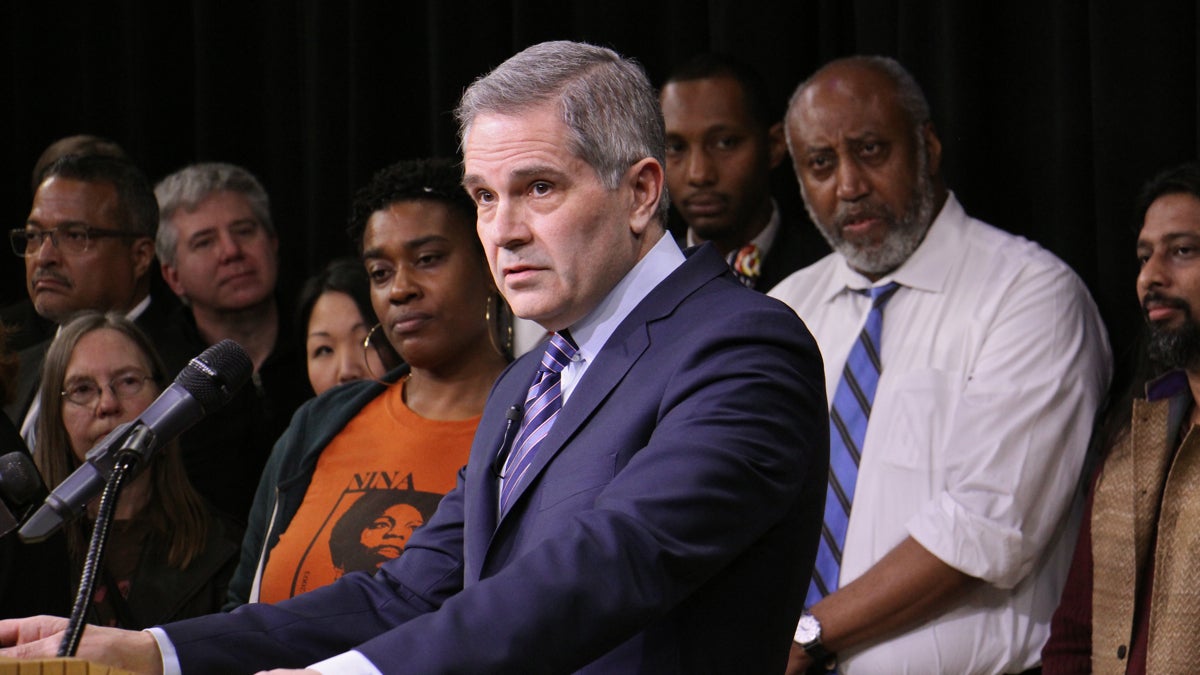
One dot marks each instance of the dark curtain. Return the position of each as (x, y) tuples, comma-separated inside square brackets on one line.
[(1051, 114)]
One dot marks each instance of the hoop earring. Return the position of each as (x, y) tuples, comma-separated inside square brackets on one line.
[(368, 344), (500, 325)]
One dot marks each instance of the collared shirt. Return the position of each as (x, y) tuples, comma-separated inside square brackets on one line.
[(994, 364), (590, 334), (763, 241)]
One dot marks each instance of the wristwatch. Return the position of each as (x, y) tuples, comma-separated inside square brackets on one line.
[(808, 636)]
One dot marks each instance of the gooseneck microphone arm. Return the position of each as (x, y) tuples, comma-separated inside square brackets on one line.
[(125, 465)]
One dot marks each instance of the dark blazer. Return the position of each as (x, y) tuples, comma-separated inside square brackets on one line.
[(669, 524), (155, 321)]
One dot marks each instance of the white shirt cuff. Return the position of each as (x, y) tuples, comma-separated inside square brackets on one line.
[(346, 663), (166, 649)]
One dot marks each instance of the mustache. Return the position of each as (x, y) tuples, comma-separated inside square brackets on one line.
[(40, 274), (1158, 299), (850, 213)]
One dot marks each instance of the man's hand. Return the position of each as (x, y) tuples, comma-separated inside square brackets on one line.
[(798, 661), (38, 638)]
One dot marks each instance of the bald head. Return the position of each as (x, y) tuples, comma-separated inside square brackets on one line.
[(867, 158)]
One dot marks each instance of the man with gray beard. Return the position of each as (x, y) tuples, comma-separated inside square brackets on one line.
[(978, 359), (1129, 605)]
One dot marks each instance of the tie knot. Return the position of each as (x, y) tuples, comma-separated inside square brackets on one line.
[(748, 261), (559, 352), (881, 294)]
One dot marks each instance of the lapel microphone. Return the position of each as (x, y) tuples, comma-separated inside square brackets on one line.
[(512, 419)]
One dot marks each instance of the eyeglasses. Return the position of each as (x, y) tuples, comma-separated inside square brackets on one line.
[(66, 238), (87, 391)]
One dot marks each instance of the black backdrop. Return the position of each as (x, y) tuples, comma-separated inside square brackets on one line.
[(1051, 114)]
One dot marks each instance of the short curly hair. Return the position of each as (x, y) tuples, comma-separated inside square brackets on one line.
[(435, 179)]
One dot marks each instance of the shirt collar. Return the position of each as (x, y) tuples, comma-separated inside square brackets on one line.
[(1168, 385), (592, 331), (927, 269), (763, 241)]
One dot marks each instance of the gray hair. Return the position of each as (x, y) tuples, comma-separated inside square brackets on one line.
[(606, 102), (187, 187), (908, 93)]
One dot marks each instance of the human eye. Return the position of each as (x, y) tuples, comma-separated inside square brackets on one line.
[(727, 142), (202, 242), (73, 235), (244, 229), (378, 273), (540, 188), (128, 383), (426, 258), (483, 197), (872, 150), (321, 350), (675, 147), (820, 163), (81, 391)]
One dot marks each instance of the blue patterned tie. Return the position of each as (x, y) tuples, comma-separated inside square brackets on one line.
[(847, 429), (541, 406)]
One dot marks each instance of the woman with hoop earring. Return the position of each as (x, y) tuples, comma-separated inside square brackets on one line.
[(408, 431)]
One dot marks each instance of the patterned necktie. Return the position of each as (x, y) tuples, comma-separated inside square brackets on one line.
[(847, 430), (747, 264), (541, 406)]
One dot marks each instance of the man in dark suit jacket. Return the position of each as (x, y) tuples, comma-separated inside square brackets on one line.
[(668, 520), (88, 244), (724, 140)]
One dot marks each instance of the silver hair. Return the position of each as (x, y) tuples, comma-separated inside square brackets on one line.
[(606, 102), (187, 187)]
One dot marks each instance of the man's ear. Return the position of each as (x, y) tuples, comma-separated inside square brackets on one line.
[(647, 180), (142, 253), (171, 276), (776, 144)]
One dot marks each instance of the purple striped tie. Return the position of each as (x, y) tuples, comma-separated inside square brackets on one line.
[(541, 406)]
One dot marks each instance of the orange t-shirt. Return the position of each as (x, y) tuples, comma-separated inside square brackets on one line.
[(379, 479)]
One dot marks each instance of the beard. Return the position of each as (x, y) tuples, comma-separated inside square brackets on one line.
[(1174, 348), (904, 234)]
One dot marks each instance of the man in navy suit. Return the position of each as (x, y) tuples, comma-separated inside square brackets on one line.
[(668, 519)]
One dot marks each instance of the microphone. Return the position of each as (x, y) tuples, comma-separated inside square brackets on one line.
[(511, 416), (20, 486), (205, 384)]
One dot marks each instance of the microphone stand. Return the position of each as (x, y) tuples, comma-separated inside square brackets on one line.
[(126, 462)]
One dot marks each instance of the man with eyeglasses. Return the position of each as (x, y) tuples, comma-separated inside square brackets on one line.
[(88, 243), (219, 253)]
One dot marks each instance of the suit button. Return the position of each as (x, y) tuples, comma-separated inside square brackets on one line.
[(1121, 652)]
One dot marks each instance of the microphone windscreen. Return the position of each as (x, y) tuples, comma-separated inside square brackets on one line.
[(20, 482), (214, 376)]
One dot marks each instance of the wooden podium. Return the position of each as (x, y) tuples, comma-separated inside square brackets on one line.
[(56, 667)]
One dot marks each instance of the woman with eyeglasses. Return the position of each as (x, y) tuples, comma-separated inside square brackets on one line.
[(409, 432), (335, 317), (168, 556)]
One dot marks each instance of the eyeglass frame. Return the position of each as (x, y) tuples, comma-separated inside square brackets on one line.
[(89, 233), (141, 377)]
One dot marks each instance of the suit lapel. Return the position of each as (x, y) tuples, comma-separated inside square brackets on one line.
[(615, 359)]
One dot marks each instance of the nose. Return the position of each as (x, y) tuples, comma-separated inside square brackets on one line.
[(229, 249), (107, 404), (404, 287), (1152, 275), (701, 169), (353, 364), (851, 184), (505, 226), (46, 252)]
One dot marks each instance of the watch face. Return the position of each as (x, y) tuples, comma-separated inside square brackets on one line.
[(808, 629)]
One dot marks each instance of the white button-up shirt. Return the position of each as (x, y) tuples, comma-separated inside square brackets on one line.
[(994, 364)]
